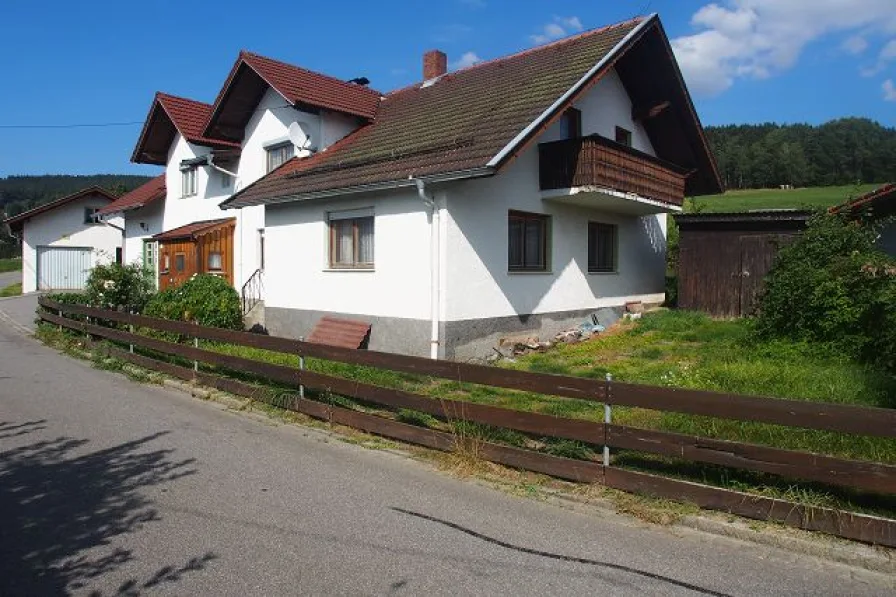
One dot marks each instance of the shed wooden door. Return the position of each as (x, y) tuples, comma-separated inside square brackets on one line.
[(178, 260), (757, 254)]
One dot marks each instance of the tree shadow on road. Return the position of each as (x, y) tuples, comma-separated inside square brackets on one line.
[(62, 506)]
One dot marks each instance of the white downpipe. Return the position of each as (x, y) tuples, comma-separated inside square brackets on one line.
[(434, 268)]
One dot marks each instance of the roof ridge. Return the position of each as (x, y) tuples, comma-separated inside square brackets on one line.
[(180, 97), (527, 51), (365, 88)]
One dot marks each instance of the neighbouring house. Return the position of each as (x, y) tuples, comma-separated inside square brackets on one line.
[(878, 204), (518, 195), (265, 113), (723, 258), (64, 239)]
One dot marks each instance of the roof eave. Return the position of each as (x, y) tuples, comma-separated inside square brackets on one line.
[(368, 188)]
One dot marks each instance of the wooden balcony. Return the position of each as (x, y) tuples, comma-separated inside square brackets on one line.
[(599, 162)]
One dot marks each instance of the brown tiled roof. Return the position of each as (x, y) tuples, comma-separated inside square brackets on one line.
[(167, 114), (882, 201), (17, 220), (298, 86), (142, 195), (458, 123), (190, 117), (193, 229)]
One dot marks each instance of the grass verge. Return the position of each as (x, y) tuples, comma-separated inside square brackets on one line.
[(11, 290), (12, 264)]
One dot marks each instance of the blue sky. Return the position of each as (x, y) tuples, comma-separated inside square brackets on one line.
[(96, 61)]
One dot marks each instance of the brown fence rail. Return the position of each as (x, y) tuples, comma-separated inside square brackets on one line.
[(867, 476)]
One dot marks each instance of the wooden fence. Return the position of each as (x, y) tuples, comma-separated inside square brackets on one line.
[(865, 476)]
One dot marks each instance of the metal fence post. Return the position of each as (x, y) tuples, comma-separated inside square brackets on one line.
[(131, 328), (301, 368), (60, 314), (195, 362), (608, 417)]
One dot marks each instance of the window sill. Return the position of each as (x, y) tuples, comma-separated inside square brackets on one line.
[(349, 269), (530, 273), (603, 273)]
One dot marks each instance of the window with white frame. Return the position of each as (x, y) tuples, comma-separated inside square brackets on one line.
[(351, 239), (90, 216), (278, 154), (188, 181)]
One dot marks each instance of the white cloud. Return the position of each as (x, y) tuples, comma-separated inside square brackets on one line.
[(558, 27), (889, 90), (855, 44), (760, 38), (467, 59), (889, 51)]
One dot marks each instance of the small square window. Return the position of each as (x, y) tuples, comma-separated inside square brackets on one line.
[(215, 261), (527, 246), (180, 262), (279, 154), (188, 182), (602, 247), (90, 216), (351, 242), (623, 136), (572, 124)]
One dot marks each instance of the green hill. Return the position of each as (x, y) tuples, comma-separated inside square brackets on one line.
[(760, 199), (21, 193)]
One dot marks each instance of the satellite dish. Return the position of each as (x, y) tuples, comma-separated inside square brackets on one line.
[(300, 136)]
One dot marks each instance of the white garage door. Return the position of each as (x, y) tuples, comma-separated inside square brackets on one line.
[(62, 268)]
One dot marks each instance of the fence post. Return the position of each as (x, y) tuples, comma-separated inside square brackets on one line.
[(195, 362), (608, 417), (301, 368), (60, 314), (131, 328)]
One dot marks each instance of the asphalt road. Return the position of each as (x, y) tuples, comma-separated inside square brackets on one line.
[(113, 488), (7, 278)]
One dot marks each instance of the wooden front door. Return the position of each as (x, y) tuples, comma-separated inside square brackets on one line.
[(178, 261)]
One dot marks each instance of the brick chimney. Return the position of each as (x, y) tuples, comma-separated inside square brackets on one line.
[(435, 64)]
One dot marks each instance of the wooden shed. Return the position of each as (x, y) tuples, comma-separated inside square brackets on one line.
[(199, 248), (724, 257)]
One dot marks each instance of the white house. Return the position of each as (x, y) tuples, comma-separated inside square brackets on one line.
[(63, 240), (517, 195), (174, 224)]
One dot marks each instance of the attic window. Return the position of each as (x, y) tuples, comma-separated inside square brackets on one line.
[(279, 154), (571, 124), (188, 181), (623, 136), (90, 216)]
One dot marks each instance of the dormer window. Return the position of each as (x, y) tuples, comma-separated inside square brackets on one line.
[(278, 154), (571, 124), (188, 181)]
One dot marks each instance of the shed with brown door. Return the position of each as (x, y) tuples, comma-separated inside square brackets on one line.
[(724, 257), (204, 247)]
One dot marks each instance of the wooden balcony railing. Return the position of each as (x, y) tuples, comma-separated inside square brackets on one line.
[(597, 161)]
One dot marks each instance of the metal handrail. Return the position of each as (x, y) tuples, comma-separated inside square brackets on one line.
[(251, 291)]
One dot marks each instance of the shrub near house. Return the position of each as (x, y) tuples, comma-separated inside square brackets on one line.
[(833, 285), (204, 299)]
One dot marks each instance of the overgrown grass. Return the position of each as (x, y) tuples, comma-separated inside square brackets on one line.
[(11, 290), (12, 264), (757, 199)]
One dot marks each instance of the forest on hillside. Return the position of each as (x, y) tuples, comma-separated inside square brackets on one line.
[(839, 152), (21, 193)]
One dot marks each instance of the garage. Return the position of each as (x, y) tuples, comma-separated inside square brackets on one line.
[(62, 268)]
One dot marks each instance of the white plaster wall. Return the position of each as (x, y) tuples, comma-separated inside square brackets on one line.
[(64, 227), (604, 107), (478, 282), (135, 234), (297, 274)]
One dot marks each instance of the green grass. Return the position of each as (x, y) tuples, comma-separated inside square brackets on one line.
[(759, 199), (11, 265), (11, 290)]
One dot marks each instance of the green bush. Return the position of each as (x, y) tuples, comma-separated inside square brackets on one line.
[(204, 299), (115, 285), (834, 286), (70, 298)]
